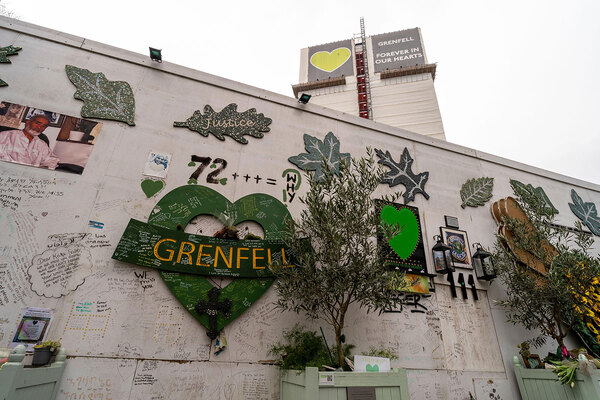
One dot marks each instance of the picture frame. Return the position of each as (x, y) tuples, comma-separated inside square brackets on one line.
[(460, 246), (55, 118), (11, 114)]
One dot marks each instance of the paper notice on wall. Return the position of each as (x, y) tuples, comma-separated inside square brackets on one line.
[(157, 164), (33, 326), (326, 379), (371, 364)]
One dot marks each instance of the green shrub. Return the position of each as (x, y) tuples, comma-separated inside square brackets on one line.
[(303, 348)]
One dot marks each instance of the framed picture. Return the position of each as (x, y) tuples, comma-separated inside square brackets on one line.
[(11, 114), (55, 119), (459, 244)]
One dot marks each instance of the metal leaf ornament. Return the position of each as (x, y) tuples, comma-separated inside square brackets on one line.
[(401, 172), (102, 98), (4, 53), (228, 122), (586, 212), (523, 189), (327, 150), (476, 192)]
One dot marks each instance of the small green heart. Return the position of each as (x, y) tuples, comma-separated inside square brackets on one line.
[(213, 166), (405, 242), (191, 164), (151, 187), (223, 181), (373, 368), (192, 182)]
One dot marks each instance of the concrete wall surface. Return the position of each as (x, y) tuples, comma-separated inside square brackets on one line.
[(126, 335)]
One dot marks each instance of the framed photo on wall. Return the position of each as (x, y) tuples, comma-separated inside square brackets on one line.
[(459, 244)]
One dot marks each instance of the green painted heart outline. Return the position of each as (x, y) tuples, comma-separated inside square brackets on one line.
[(179, 206)]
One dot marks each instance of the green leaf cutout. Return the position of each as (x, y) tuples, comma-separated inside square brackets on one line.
[(401, 172), (528, 190), (476, 192), (4, 53), (102, 98), (586, 212), (328, 150), (228, 122)]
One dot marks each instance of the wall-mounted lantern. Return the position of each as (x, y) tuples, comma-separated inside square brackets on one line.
[(442, 256), (482, 262)]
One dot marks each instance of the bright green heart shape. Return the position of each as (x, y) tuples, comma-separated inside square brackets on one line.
[(179, 206), (329, 62), (405, 242), (372, 368), (151, 187)]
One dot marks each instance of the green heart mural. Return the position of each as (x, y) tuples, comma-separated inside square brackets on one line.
[(405, 242), (329, 62), (179, 206), (405, 250)]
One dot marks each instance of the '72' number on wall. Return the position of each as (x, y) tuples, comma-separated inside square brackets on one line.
[(217, 163)]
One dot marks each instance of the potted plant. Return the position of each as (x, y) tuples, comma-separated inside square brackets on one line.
[(304, 354), (43, 352), (342, 263)]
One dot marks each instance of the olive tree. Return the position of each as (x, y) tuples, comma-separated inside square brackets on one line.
[(338, 261), (552, 297)]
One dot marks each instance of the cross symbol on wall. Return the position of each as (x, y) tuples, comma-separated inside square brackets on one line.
[(213, 307)]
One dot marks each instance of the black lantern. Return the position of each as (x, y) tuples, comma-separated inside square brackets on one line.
[(442, 256), (482, 262)]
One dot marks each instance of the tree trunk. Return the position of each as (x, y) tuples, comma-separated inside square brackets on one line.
[(338, 335), (340, 348)]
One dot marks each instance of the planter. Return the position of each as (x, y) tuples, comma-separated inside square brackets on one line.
[(19, 382), (542, 384), (305, 385), (41, 356)]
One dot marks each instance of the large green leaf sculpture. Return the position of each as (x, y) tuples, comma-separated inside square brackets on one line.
[(4, 53), (476, 192), (401, 172), (327, 150), (102, 98), (521, 188), (586, 212), (228, 122)]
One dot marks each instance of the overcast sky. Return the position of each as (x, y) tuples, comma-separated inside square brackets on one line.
[(515, 78)]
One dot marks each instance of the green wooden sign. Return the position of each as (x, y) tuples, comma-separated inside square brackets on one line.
[(178, 207), (176, 251)]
